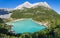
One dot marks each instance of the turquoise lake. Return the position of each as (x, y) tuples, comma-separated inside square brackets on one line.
[(27, 25)]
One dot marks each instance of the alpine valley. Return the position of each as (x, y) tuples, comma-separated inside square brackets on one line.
[(40, 12)]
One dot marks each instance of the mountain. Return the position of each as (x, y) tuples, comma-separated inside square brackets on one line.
[(40, 11), (29, 5), (3, 11), (26, 4)]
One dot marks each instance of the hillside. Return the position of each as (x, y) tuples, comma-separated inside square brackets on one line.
[(39, 14)]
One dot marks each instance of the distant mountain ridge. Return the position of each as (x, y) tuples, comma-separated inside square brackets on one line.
[(3, 11), (6, 9)]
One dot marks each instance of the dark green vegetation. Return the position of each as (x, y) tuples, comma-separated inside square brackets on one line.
[(40, 14)]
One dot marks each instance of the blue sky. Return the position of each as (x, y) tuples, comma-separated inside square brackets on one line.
[(55, 4)]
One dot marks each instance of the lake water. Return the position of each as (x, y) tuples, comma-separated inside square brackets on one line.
[(27, 25)]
